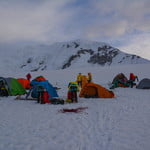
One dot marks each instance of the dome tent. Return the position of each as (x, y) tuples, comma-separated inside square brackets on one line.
[(120, 80), (92, 90), (13, 86), (25, 83), (35, 85), (144, 84)]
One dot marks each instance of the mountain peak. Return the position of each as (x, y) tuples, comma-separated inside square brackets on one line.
[(73, 54)]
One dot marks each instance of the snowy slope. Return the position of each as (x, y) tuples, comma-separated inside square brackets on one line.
[(61, 55), (121, 123)]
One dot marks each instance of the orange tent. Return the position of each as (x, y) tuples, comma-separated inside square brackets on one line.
[(40, 78), (92, 90), (25, 83)]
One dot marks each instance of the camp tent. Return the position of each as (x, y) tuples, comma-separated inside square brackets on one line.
[(92, 90), (25, 83), (120, 77), (45, 85), (144, 84), (13, 86), (40, 78), (120, 80)]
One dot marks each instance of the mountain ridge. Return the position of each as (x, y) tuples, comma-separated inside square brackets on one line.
[(72, 54)]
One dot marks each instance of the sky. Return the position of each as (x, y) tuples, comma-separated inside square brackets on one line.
[(124, 24)]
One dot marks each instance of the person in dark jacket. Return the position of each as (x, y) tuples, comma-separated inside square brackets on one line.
[(89, 77)]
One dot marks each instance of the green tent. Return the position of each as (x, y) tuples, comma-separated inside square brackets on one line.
[(13, 86)]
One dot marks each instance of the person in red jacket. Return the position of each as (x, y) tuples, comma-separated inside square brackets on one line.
[(28, 76), (132, 79)]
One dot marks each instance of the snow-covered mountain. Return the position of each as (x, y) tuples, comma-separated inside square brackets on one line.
[(61, 55)]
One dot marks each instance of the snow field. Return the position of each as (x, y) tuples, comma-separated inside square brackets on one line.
[(121, 123)]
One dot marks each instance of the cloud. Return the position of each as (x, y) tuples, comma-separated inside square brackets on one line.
[(136, 44), (119, 17), (43, 20), (107, 29), (62, 20), (32, 22)]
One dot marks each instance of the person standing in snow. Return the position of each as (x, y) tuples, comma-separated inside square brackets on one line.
[(28, 76), (132, 80), (84, 80), (79, 79), (89, 77), (73, 88)]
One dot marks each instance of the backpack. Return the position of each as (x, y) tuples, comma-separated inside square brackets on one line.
[(57, 101), (36, 91), (73, 88)]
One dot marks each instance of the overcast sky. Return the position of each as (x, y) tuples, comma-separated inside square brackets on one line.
[(124, 24)]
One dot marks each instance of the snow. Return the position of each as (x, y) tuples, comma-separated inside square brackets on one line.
[(120, 123)]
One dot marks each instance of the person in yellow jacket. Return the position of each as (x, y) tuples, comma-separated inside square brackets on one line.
[(84, 80), (73, 88), (79, 79)]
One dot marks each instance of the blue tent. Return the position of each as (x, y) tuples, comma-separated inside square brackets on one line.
[(36, 85)]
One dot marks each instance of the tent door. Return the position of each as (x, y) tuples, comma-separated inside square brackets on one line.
[(92, 92)]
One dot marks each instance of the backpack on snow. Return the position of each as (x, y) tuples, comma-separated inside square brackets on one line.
[(57, 101)]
